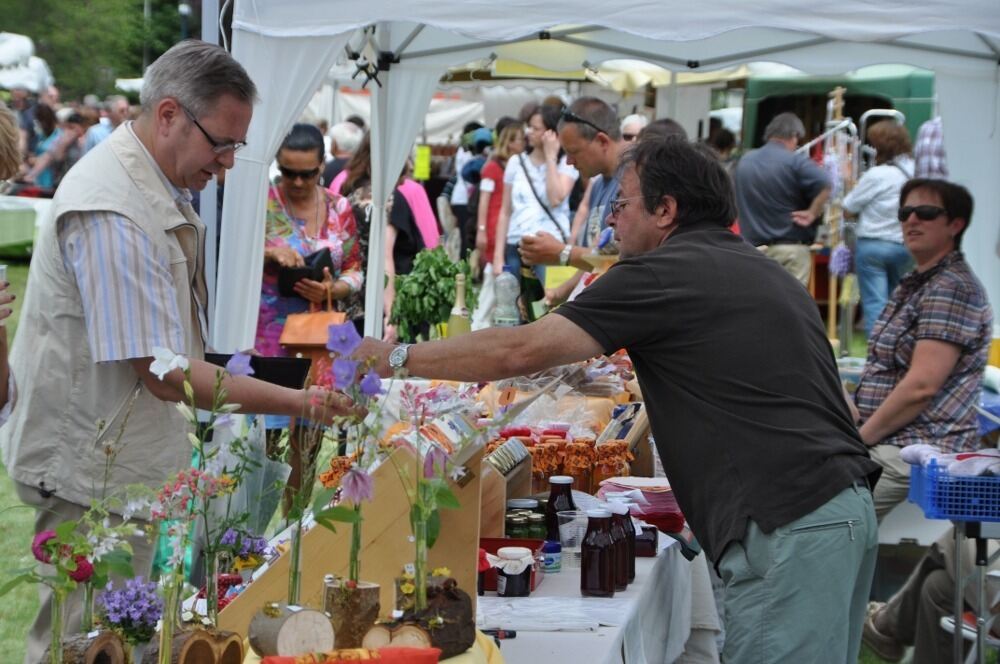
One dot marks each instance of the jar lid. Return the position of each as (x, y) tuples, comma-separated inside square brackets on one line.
[(522, 503), (513, 552), (536, 517), (616, 507), (518, 519), (598, 514), (560, 479)]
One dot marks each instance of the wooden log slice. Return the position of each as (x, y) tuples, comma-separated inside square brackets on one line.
[(411, 635), (378, 636), (188, 647), (228, 648), (352, 611), (104, 648), (283, 630)]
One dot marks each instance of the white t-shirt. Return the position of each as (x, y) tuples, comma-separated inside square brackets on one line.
[(875, 199), (526, 215), (460, 192)]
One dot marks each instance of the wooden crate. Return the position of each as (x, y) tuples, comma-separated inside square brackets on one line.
[(497, 490), (385, 546)]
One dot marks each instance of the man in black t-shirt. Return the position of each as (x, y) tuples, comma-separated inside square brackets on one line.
[(743, 397)]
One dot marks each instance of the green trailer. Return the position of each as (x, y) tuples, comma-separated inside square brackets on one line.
[(906, 89)]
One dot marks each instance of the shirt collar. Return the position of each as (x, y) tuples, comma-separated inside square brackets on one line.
[(915, 278), (181, 195)]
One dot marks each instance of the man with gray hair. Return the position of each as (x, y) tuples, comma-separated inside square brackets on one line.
[(118, 277), (345, 137), (780, 194), (117, 109)]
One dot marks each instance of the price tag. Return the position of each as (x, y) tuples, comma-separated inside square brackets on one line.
[(93, 634), (422, 163), (506, 397), (294, 608), (409, 568)]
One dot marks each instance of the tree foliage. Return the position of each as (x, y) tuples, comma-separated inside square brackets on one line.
[(90, 43)]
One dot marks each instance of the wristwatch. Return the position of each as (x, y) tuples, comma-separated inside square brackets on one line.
[(565, 254), (398, 356)]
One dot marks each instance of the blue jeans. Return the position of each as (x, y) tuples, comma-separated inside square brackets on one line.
[(512, 263), (880, 264)]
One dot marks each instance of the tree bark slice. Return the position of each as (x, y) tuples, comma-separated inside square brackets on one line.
[(105, 648), (352, 611), (411, 635), (281, 630), (193, 647), (378, 636)]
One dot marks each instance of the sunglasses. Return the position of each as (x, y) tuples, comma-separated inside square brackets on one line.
[(218, 147), (570, 116), (292, 174), (923, 212)]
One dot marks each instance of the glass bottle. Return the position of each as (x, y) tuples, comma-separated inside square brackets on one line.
[(597, 557), (560, 500), (459, 321), (621, 545), (629, 527)]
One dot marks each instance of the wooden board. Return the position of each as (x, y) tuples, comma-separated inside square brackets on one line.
[(497, 490), (385, 546)]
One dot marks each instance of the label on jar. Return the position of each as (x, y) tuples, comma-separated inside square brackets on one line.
[(552, 561), (501, 584)]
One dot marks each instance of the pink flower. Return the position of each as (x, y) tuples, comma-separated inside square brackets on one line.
[(357, 485), (38, 546), (434, 459), (84, 570)]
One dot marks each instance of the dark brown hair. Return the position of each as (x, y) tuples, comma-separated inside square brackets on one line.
[(889, 140), (955, 199)]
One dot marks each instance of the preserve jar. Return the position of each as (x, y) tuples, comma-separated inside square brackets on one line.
[(513, 565), (597, 557)]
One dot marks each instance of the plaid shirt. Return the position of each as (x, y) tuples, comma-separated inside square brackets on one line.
[(946, 303), (928, 153)]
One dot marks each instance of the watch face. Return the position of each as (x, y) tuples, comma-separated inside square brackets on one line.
[(397, 358)]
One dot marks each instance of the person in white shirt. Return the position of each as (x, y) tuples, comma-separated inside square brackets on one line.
[(881, 260)]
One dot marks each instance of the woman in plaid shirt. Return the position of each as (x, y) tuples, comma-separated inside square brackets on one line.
[(928, 349)]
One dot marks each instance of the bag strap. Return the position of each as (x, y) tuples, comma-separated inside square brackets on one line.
[(531, 185)]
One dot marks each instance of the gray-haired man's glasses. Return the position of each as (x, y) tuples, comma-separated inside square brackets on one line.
[(218, 147)]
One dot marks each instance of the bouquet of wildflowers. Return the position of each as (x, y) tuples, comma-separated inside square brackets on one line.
[(132, 611)]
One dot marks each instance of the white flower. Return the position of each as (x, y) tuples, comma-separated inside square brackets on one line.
[(132, 506), (457, 473), (165, 361)]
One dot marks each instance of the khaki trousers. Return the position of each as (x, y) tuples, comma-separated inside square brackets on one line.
[(49, 513), (795, 258), (894, 485)]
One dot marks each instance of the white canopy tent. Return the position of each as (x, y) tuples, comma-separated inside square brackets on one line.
[(287, 47), (20, 67)]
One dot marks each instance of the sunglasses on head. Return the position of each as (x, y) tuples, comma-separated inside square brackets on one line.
[(923, 212), (293, 174), (570, 116)]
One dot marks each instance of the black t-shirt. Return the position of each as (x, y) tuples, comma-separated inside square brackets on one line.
[(739, 380), (409, 241)]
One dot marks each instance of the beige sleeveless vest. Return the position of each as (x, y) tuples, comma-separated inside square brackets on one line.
[(51, 441)]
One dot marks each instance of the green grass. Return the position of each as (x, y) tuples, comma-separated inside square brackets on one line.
[(18, 608)]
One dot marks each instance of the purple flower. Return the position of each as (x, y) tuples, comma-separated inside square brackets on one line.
[(239, 365), (344, 372), (840, 260), (343, 339), (435, 458), (357, 485), (134, 609), (38, 546), (371, 384), (229, 537)]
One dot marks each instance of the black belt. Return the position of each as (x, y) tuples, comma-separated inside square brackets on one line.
[(773, 242)]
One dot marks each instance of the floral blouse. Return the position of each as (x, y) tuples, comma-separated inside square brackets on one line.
[(339, 235)]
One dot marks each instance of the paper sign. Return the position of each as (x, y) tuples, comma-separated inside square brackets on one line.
[(422, 163)]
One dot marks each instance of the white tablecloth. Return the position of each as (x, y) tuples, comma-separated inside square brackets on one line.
[(651, 621)]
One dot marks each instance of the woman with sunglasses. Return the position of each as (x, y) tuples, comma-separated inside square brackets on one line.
[(303, 218), (536, 192), (928, 349), (881, 260)]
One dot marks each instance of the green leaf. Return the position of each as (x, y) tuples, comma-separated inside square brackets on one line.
[(433, 528), (16, 581), (338, 513), (119, 563), (322, 499), (64, 530), (447, 499)]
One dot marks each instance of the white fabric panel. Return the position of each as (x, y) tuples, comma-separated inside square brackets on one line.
[(970, 109), (658, 19), (286, 72), (398, 108), (442, 124)]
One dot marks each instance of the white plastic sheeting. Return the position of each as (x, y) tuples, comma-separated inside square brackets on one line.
[(288, 46)]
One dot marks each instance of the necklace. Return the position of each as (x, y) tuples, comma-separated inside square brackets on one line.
[(319, 216)]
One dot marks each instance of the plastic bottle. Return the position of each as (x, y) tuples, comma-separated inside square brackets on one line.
[(507, 289), (552, 556), (622, 556), (629, 528)]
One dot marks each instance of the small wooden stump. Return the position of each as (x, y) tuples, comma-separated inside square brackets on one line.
[(228, 648), (104, 648), (278, 629), (352, 610), (193, 647)]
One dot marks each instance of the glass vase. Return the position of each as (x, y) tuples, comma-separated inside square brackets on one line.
[(420, 563), (294, 565), (55, 645), (171, 615), (87, 621), (212, 587)]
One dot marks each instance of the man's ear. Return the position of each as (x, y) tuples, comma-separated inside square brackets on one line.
[(166, 114), (958, 224), (665, 212)]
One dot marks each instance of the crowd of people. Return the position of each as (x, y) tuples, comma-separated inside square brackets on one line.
[(739, 378)]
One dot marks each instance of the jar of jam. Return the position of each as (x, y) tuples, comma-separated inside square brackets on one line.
[(518, 527), (621, 544), (536, 526), (622, 512), (514, 571), (579, 464), (597, 557), (560, 500)]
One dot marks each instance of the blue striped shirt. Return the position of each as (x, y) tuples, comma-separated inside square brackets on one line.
[(127, 294)]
